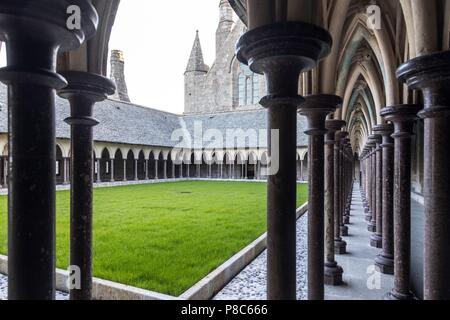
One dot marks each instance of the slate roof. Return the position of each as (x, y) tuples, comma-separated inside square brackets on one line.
[(127, 123)]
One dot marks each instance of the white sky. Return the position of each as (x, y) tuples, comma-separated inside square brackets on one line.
[(157, 38)]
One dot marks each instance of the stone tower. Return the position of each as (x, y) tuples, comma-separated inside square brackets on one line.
[(225, 24), (194, 77), (118, 75)]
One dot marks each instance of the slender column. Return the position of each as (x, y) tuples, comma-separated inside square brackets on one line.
[(371, 227), (124, 169), (333, 272), (430, 73), (33, 34), (316, 108), (146, 169), (385, 260), (165, 169), (65, 172), (136, 170), (83, 91), (199, 170), (156, 170), (339, 244), (99, 170), (403, 117), (342, 226), (112, 169), (376, 239)]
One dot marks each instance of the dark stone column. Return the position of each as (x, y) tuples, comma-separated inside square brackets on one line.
[(403, 118), (342, 181), (282, 52), (376, 240), (385, 260), (34, 31), (333, 272), (83, 91), (348, 174), (431, 74), (373, 140), (367, 211), (339, 244), (316, 108)]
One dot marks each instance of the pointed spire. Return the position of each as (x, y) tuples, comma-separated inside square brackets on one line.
[(196, 62)]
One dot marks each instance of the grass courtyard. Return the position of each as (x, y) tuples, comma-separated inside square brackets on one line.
[(165, 237)]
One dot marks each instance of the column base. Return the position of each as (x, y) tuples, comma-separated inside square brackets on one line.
[(396, 296), (333, 274), (344, 231), (372, 227), (340, 246), (385, 263), (368, 218), (376, 241), (346, 219)]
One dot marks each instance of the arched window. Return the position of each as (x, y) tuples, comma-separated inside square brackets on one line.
[(241, 89), (248, 86)]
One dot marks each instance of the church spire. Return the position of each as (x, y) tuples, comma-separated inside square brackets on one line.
[(196, 62)]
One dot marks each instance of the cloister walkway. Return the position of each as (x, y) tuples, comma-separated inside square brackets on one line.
[(362, 280)]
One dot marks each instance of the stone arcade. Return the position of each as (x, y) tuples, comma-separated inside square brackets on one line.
[(387, 88)]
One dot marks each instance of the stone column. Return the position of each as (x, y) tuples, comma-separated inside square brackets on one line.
[(188, 167), (403, 118), (316, 108), (342, 226), (333, 272), (385, 260), (99, 167), (282, 52), (376, 240), (156, 170), (146, 169), (124, 169), (84, 90), (33, 34), (430, 73), (136, 170), (66, 175), (339, 244), (112, 169), (371, 227), (165, 169)]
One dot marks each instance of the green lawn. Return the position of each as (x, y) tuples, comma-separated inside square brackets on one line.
[(165, 237)]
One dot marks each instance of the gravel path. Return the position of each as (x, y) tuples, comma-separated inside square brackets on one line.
[(251, 283), (4, 290)]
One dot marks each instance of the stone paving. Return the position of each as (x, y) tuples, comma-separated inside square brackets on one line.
[(362, 280), (251, 283), (4, 290)]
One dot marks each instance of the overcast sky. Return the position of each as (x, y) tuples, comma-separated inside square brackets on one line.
[(157, 38)]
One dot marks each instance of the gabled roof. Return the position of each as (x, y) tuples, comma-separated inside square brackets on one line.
[(126, 123)]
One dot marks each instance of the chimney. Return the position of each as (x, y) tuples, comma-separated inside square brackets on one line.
[(118, 75)]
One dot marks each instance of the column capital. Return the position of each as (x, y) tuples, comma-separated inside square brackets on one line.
[(40, 28), (84, 89), (316, 108), (403, 118), (431, 74), (333, 126)]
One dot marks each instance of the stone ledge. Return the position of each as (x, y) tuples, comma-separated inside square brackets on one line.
[(213, 283), (101, 289)]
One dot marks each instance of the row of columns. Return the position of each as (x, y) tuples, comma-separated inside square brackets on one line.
[(282, 52)]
